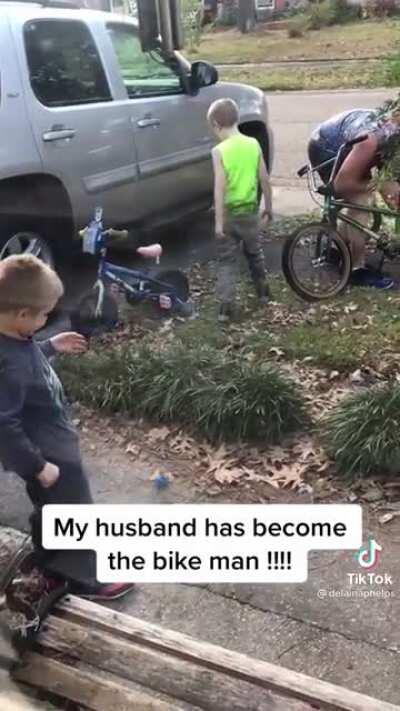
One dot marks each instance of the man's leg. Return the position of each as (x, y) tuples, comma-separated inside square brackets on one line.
[(352, 235)]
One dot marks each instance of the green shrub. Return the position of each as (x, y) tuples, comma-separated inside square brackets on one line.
[(297, 27), (320, 15), (221, 396), (344, 12), (362, 433), (380, 9), (330, 12)]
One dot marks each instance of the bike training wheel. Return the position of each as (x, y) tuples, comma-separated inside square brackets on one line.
[(84, 319), (316, 262)]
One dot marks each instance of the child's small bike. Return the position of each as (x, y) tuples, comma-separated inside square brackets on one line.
[(98, 309)]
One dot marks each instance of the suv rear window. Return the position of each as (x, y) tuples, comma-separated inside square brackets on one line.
[(64, 64)]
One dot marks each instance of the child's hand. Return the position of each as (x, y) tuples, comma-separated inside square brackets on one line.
[(69, 342), (49, 475)]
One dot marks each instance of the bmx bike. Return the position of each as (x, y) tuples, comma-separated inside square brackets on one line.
[(316, 260)]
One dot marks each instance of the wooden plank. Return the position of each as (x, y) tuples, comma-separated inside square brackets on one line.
[(86, 687), (159, 671), (285, 682)]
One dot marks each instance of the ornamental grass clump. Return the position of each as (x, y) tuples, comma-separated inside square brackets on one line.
[(220, 396), (362, 433)]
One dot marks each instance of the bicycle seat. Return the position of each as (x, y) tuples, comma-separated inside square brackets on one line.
[(153, 251)]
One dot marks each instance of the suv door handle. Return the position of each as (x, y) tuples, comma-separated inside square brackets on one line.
[(58, 134), (146, 122)]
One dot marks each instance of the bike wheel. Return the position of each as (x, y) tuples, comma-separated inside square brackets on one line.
[(316, 262), (176, 281), (84, 319)]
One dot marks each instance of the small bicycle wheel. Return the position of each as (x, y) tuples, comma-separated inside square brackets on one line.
[(176, 281), (84, 319), (316, 262)]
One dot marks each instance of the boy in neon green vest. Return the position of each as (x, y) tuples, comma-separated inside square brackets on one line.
[(239, 169)]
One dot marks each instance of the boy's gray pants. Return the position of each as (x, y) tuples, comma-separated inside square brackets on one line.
[(242, 234)]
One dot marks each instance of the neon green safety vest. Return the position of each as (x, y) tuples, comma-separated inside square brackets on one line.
[(241, 159)]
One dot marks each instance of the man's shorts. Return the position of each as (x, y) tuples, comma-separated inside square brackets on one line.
[(318, 152)]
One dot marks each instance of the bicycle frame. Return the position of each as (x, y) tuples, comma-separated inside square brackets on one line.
[(332, 207), (136, 282)]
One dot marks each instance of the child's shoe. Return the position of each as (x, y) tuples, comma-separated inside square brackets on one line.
[(226, 313), (263, 291), (108, 591)]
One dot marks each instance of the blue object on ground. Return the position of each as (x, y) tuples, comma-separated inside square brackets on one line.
[(161, 481)]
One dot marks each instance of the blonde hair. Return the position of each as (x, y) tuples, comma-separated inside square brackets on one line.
[(28, 283), (224, 113)]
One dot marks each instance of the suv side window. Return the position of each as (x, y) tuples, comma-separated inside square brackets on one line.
[(64, 64), (143, 73)]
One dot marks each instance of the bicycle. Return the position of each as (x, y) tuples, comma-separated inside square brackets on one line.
[(98, 309), (316, 260)]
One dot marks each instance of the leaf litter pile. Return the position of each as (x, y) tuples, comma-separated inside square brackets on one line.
[(330, 350)]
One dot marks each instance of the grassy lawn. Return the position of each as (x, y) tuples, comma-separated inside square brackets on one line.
[(357, 39), (309, 78), (265, 378), (351, 41)]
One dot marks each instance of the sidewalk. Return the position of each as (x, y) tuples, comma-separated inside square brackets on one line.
[(351, 642)]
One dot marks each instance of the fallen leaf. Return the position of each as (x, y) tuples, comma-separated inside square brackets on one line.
[(357, 377), (157, 434), (181, 444), (132, 449)]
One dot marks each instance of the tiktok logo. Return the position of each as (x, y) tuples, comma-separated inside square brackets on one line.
[(368, 556)]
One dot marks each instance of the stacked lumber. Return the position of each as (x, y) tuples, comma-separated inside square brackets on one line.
[(108, 661)]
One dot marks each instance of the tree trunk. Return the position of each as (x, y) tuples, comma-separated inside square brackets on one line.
[(246, 15)]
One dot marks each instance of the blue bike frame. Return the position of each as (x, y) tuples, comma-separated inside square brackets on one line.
[(135, 282)]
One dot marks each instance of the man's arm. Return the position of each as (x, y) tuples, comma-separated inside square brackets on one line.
[(265, 186), (17, 452), (219, 191), (353, 176)]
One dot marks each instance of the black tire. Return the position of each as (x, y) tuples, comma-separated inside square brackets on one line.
[(84, 319), (177, 280), (340, 261), (22, 242), (174, 279)]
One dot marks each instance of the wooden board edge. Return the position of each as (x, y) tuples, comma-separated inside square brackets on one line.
[(283, 681)]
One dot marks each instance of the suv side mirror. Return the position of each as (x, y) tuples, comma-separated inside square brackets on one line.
[(203, 74)]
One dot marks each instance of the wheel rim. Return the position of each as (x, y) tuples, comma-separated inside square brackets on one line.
[(318, 263), (27, 243)]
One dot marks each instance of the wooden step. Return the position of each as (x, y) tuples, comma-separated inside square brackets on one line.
[(89, 653)]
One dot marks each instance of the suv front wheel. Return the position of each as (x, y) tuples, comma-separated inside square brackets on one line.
[(28, 243)]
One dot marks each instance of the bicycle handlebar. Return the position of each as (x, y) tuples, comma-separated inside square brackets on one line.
[(120, 234)]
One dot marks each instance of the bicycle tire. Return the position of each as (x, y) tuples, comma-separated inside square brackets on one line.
[(84, 319), (176, 280), (287, 266)]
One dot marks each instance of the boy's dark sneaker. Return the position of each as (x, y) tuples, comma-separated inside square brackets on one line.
[(226, 313), (109, 591), (263, 291), (366, 277)]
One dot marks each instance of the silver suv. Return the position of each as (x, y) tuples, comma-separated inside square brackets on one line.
[(87, 118)]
